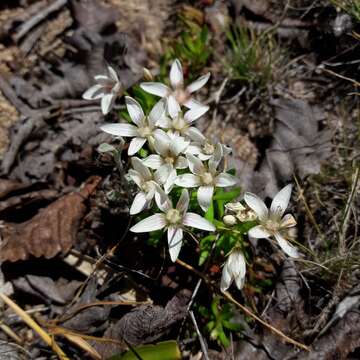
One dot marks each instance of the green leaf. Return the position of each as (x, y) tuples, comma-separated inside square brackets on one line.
[(166, 350), (231, 326), (227, 196), (209, 215), (223, 339)]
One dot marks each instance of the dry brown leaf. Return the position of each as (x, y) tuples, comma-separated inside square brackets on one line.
[(8, 186), (49, 232)]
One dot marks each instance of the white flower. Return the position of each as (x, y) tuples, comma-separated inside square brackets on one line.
[(144, 127), (205, 177), (180, 124), (234, 269), (173, 220), (201, 146), (107, 90), (229, 220), (272, 221), (177, 94), (242, 212), (168, 157), (147, 183)]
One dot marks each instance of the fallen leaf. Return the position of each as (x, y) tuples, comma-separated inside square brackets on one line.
[(8, 186), (49, 232), (146, 323), (298, 147)]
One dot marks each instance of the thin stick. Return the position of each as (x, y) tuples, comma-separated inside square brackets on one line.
[(32, 324), (201, 339), (40, 16), (264, 323), (245, 309)]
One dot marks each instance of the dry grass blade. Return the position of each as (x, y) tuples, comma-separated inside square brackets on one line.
[(79, 341), (264, 323), (32, 324)]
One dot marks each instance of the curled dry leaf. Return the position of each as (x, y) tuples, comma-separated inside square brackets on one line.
[(49, 232), (145, 324), (8, 186)]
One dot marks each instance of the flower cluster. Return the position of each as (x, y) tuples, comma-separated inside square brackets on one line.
[(180, 155), (271, 222), (181, 161)]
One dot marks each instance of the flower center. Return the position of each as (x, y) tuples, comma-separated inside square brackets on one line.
[(271, 225), (147, 186), (173, 216), (145, 131), (169, 160), (179, 124), (207, 178), (209, 148), (181, 95)]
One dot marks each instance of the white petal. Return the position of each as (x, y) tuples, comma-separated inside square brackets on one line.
[(170, 182), (195, 164), (286, 247), (204, 196), (193, 114), (192, 103), (173, 106), (135, 177), (198, 222), (155, 88), (193, 150), (164, 122), (162, 200), (178, 145), (157, 114), (225, 180), (187, 180), (106, 103), (175, 236), (226, 278), (236, 266), (94, 93), (240, 281), (104, 80), (141, 168), (257, 205), (135, 145), (288, 221), (162, 142), (152, 223), (126, 130), (181, 163), (135, 111), (183, 202), (162, 173), (259, 232), (113, 74), (196, 135), (204, 157), (281, 201), (214, 161), (153, 161), (176, 74), (138, 204), (198, 83)]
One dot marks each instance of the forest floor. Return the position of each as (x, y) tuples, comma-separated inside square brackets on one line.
[(284, 93)]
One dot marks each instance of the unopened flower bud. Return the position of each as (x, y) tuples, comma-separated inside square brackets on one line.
[(234, 270), (148, 76), (229, 220), (235, 207)]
